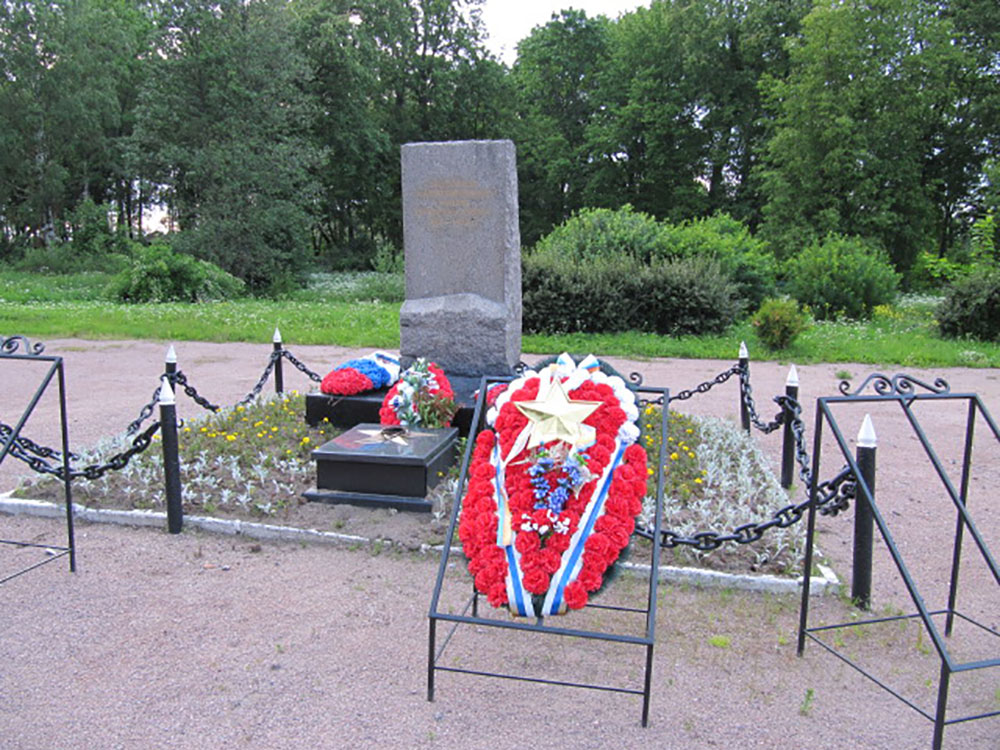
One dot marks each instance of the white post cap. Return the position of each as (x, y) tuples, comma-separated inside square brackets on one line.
[(171, 357), (277, 336), (793, 377), (166, 392), (744, 354), (866, 435)]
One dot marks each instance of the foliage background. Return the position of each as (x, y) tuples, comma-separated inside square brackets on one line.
[(270, 130)]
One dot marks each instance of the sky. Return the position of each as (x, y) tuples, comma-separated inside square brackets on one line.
[(509, 21)]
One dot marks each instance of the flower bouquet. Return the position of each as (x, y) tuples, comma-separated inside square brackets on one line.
[(554, 486), (368, 373), (422, 397)]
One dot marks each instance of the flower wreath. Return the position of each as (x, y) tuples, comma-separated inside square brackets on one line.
[(554, 487), (421, 397), (369, 373)]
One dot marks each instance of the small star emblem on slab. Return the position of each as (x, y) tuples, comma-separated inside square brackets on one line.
[(395, 435)]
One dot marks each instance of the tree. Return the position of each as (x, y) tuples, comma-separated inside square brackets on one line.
[(223, 128), (876, 133), (678, 128), (67, 70), (386, 72), (555, 76)]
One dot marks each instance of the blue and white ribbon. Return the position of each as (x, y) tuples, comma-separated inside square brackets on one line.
[(572, 558)]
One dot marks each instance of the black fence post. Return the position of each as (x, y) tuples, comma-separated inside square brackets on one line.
[(171, 457), (788, 437), (279, 376), (170, 367), (745, 367), (864, 523)]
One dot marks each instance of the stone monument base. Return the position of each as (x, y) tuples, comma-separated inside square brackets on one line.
[(384, 469), (464, 334)]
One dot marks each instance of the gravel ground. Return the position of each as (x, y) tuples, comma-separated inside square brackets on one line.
[(198, 641)]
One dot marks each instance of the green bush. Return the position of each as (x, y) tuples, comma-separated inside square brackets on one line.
[(63, 258), (779, 321), (930, 273), (158, 274), (742, 257), (604, 233), (671, 297), (842, 277), (971, 307)]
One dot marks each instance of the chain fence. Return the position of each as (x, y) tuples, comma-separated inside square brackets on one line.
[(833, 495), (37, 457)]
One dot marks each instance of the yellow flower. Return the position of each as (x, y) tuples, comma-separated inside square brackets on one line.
[(305, 440), (187, 429), (697, 480), (230, 438), (674, 456), (689, 431), (650, 471), (690, 454)]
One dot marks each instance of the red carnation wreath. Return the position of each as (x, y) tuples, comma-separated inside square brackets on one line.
[(553, 490)]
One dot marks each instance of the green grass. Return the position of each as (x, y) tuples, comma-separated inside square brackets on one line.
[(362, 310)]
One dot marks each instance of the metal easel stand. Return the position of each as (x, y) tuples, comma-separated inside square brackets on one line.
[(9, 350), (644, 636), (900, 389)]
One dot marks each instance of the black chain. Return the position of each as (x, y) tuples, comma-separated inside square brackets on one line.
[(94, 471), (255, 391), (181, 379), (29, 446), (746, 393), (145, 413), (708, 385), (300, 367), (833, 496)]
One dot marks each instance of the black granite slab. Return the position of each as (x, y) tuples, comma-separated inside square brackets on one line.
[(369, 466)]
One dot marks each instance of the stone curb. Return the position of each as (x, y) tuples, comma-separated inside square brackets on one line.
[(826, 583)]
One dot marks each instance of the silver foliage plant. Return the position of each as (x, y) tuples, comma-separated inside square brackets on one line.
[(740, 487)]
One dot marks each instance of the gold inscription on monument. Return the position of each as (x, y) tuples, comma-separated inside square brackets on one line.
[(452, 204)]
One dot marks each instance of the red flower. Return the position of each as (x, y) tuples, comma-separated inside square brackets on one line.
[(526, 542), (345, 382), (575, 595), (536, 581)]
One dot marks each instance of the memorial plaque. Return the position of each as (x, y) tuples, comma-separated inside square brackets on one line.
[(463, 256), (376, 467)]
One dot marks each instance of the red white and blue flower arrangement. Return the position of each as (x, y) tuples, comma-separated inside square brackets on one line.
[(369, 373), (555, 484), (422, 397)]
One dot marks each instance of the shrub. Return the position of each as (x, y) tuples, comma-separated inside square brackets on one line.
[(971, 307), (779, 321), (604, 233), (742, 257), (157, 274), (671, 297), (930, 273), (63, 258), (842, 277)]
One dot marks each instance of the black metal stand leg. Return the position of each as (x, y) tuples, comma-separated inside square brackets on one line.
[(430, 660), (648, 685), (942, 706)]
